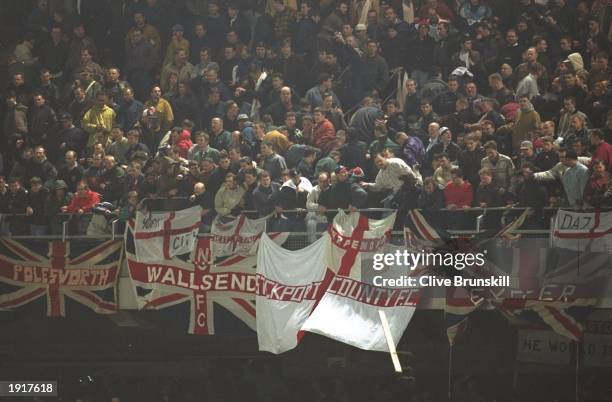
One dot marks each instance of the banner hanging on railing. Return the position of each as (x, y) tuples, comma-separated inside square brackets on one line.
[(164, 235), (58, 273), (239, 236), (199, 280), (583, 231)]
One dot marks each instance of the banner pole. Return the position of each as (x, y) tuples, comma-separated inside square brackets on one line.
[(390, 342), (577, 343)]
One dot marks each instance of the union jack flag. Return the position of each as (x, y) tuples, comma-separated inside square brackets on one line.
[(80, 270), (198, 280)]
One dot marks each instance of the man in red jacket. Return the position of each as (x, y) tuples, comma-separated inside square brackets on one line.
[(324, 133), (458, 192), (602, 151), (83, 201)]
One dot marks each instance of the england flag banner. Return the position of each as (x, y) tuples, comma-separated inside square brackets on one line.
[(59, 274), (289, 283), (237, 237), (163, 235), (583, 231), (349, 309), (198, 280)]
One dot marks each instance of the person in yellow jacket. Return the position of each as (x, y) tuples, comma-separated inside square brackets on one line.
[(177, 42), (98, 121)]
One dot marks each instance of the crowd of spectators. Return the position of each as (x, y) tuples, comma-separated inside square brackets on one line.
[(294, 110)]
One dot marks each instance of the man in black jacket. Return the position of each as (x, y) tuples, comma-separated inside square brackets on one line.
[(16, 200), (469, 159), (35, 210)]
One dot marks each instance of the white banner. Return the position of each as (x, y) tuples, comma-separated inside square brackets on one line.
[(583, 231), (288, 285), (348, 312), (163, 235), (238, 237)]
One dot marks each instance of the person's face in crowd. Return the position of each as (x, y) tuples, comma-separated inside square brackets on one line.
[(578, 147), (567, 162), (199, 30), (81, 190), (569, 106), (511, 38), (109, 163), (569, 80), (470, 145), (79, 31), (491, 153), (577, 123), (599, 169), (250, 179), (343, 8), (128, 95), (390, 15), (201, 141), (56, 34), (18, 80), (156, 93), (231, 37), (174, 137), (70, 158), (323, 181), (133, 139), (307, 124), (471, 90), (467, 45), (524, 103), (485, 179), (2, 184), (216, 125), (212, 77), (547, 146), (177, 35), (265, 181), (85, 56), (526, 173), (290, 121), (224, 163), (331, 59), (39, 101), (488, 129), (98, 148), (531, 55), (372, 49), (426, 109), (432, 130), (214, 97), (233, 110), (101, 100), (444, 162), (391, 109), (442, 30), (456, 179), (233, 154), (328, 102), (45, 78), (35, 187), (429, 188), (112, 75), (593, 26), (229, 53), (342, 176), (372, 17), (505, 70), (542, 46), (601, 63), (134, 170), (139, 20), (347, 30), (136, 37), (526, 152), (411, 86), (199, 188), (423, 30), (230, 183), (285, 94), (318, 117), (446, 137), (304, 9), (565, 44), (181, 57), (380, 162), (260, 52), (548, 128), (39, 154), (14, 187), (285, 50), (266, 150), (96, 160)]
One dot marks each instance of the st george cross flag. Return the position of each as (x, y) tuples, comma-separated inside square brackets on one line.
[(237, 237), (163, 235), (57, 272), (348, 311), (580, 231), (289, 283), (198, 280)]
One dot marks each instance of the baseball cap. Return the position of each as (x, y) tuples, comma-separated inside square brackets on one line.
[(243, 116), (341, 169), (360, 27), (526, 144), (177, 28)]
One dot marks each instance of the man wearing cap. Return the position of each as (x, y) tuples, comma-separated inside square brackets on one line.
[(526, 154), (177, 42), (148, 31)]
